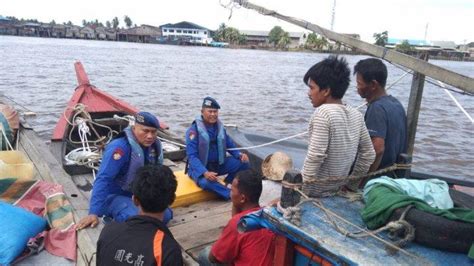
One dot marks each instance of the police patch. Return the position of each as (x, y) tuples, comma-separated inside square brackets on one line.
[(192, 135), (118, 153)]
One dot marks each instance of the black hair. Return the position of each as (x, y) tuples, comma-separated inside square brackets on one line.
[(155, 187), (372, 69), (250, 184), (332, 72)]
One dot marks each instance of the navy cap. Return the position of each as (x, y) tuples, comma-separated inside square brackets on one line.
[(210, 102), (147, 119)]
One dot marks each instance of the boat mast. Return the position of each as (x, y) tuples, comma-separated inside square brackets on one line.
[(446, 76)]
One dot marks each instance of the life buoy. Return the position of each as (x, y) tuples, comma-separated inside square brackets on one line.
[(439, 232)]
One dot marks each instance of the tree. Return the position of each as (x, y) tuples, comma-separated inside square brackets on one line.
[(53, 22), (69, 23), (381, 38), (284, 40), (108, 24), (128, 21), (404, 47), (115, 22), (313, 42), (275, 35), (84, 23), (230, 35)]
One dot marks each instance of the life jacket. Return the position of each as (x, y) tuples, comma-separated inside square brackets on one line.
[(137, 159), (204, 141)]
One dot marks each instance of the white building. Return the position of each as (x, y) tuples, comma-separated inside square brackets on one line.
[(186, 31)]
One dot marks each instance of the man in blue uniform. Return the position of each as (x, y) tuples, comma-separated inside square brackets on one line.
[(206, 147), (385, 116), (133, 148)]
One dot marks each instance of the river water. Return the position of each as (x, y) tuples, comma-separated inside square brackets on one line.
[(259, 90)]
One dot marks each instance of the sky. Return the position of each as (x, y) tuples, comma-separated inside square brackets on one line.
[(448, 20)]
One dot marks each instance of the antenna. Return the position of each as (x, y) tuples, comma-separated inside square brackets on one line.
[(333, 14), (426, 30)]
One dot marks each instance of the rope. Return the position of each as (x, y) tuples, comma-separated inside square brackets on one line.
[(268, 143), (331, 215), (6, 139), (456, 101)]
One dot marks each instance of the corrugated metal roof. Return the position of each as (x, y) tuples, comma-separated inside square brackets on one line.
[(183, 25)]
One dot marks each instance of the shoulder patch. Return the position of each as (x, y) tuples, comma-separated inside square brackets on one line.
[(192, 135), (118, 153)]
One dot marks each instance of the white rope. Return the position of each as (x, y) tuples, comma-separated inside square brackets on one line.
[(268, 143), (306, 132), (6, 139), (456, 101)]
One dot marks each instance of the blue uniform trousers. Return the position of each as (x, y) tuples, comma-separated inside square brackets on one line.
[(120, 208), (230, 167)]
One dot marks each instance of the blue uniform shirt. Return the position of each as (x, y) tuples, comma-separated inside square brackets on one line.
[(196, 168), (115, 162), (386, 118)]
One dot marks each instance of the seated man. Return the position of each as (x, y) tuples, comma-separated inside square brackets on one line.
[(143, 239), (337, 132), (206, 147), (234, 248), (136, 146), (385, 116)]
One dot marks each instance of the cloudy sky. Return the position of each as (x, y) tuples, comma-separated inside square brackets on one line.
[(450, 20)]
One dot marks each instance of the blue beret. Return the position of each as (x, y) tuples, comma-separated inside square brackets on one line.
[(210, 102), (147, 119)]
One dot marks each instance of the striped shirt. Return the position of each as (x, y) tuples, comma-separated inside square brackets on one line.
[(337, 134)]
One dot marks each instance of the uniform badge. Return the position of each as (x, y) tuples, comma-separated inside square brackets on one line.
[(192, 135), (118, 153)]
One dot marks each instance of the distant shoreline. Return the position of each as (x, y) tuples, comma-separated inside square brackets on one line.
[(252, 47)]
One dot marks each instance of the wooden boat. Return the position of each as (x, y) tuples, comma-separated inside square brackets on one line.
[(296, 245), (193, 207)]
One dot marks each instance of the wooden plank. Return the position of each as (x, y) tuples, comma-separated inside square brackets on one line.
[(192, 214), (201, 231), (462, 82), (414, 105), (201, 206)]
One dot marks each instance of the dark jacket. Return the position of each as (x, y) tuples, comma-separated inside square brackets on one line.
[(137, 242)]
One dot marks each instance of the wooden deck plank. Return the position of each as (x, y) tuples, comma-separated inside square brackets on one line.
[(50, 170), (200, 231)]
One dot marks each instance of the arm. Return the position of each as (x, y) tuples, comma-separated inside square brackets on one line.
[(226, 248), (379, 147), (317, 147), (192, 151), (230, 145), (376, 122), (108, 170), (365, 153)]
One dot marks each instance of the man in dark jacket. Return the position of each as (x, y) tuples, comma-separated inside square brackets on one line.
[(143, 239)]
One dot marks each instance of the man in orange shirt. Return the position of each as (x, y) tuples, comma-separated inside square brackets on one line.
[(234, 248)]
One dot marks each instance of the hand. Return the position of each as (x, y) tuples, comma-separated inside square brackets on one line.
[(211, 176), (244, 157), (90, 220)]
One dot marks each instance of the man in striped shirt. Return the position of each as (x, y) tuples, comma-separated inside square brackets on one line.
[(338, 137)]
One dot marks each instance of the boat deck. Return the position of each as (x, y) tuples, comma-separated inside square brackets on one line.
[(194, 227)]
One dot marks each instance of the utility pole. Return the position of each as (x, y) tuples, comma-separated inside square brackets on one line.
[(333, 14), (426, 31)]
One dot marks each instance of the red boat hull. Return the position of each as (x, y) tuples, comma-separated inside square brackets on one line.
[(95, 100)]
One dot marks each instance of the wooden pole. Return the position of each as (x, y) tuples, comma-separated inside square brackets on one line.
[(289, 197), (462, 82), (414, 105)]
